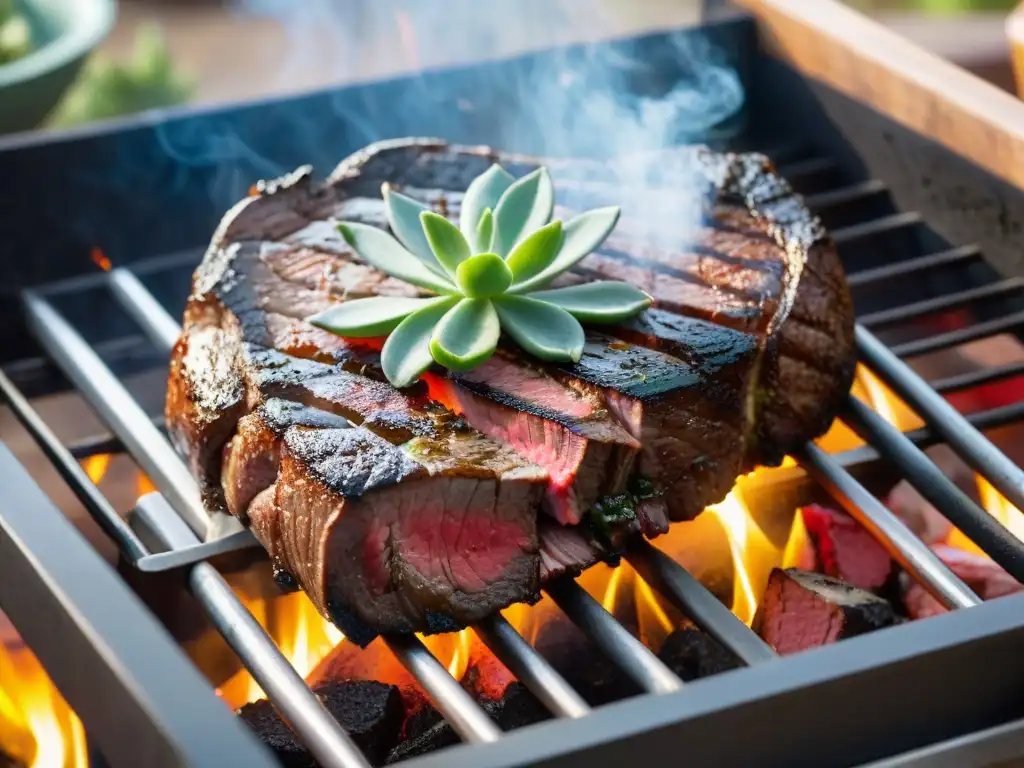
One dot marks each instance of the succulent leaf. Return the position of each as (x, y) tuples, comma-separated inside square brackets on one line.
[(466, 336), (406, 353), (524, 207), (404, 219), (489, 272), (379, 249), (484, 232), (446, 241), (365, 318), (542, 329), (582, 234), (599, 302), (483, 276), (483, 193), (535, 253)]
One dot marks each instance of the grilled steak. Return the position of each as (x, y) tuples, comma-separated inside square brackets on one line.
[(424, 515), (803, 610)]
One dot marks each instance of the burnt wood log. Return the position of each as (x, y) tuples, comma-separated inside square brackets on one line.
[(802, 610)]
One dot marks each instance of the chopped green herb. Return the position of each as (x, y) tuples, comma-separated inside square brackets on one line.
[(610, 512)]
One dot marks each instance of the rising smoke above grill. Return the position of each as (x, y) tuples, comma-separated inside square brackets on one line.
[(589, 100)]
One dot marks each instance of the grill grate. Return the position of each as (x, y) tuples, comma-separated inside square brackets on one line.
[(134, 431)]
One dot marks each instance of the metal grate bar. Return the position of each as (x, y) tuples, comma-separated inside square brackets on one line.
[(453, 701), (91, 446), (676, 584), (802, 168), (962, 336), (118, 409), (149, 313), (315, 726), (107, 443), (955, 505), (614, 640), (879, 226), (977, 378), (72, 473), (919, 309), (912, 266), (531, 668), (943, 418), (923, 438), (908, 550), (845, 195)]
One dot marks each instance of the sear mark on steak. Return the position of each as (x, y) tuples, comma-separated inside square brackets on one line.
[(386, 537), (802, 610), (746, 356)]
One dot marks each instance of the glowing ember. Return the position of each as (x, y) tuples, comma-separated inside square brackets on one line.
[(99, 258), (37, 727), (96, 466)]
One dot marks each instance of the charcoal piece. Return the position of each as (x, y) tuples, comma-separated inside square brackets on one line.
[(437, 736), (427, 731), (520, 708), (804, 610), (847, 551), (370, 712), (693, 654), (586, 669)]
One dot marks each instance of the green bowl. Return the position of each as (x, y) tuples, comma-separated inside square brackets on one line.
[(64, 33)]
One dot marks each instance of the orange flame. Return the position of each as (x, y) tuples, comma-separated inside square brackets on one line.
[(99, 258), (301, 633), (96, 466), (305, 638), (143, 484), (37, 727), (996, 505), (753, 555)]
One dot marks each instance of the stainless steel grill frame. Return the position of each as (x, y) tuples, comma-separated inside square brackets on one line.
[(840, 705)]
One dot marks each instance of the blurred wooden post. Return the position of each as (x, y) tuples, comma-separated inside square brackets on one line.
[(1015, 32)]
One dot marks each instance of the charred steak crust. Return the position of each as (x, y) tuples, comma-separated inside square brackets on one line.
[(415, 520)]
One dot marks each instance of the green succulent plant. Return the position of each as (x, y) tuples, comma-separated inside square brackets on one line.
[(488, 274)]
